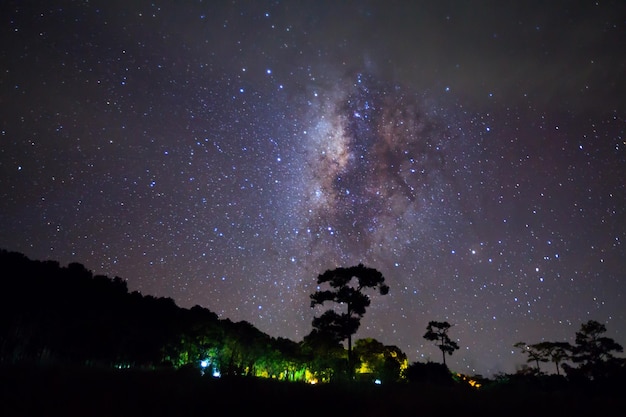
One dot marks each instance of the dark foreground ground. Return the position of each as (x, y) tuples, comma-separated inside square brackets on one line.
[(67, 393)]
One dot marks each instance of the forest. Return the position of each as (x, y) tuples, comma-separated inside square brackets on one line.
[(63, 329)]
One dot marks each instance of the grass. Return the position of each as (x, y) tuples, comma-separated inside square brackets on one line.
[(79, 392)]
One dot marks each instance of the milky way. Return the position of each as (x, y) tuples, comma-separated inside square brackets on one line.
[(224, 154), (378, 172)]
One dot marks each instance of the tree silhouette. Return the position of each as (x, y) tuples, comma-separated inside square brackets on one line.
[(535, 354), (556, 352), (437, 331), (429, 372), (341, 326), (592, 351)]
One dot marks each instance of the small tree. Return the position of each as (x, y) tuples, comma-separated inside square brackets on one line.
[(534, 354), (556, 352), (342, 326), (437, 331)]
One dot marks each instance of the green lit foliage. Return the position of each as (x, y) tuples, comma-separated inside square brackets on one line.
[(282, 360), (55, 315), (326, 358), (200, 337), (290, 358), (244, 346), (379, 362)]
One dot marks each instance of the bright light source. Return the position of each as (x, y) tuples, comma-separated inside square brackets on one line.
[(204, 363), (217, 374), (378, 381)]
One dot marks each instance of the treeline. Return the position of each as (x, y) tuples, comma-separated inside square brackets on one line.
[(66, 315), (52, 315), (55, 315)]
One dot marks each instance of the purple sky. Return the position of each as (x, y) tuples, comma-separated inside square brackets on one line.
[(226, 153)]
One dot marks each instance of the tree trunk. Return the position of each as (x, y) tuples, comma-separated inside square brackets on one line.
[(443, 352), (350, 370)]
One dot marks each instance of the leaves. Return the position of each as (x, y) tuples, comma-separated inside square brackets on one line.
[(345, 291), (437, 331)]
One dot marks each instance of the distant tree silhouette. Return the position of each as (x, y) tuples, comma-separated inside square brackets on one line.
[(534, 354), (344, 291), (429, 372), (593, 352), (556, 352), (437, 331), (66, 315)]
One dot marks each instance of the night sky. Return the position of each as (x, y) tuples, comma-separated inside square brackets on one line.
[(224, 154)]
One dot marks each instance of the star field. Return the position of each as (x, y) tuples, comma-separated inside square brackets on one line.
[(225, 153)]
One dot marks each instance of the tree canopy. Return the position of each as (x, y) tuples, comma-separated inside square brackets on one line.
[(437, 331), (594, 352), (346, 288)]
